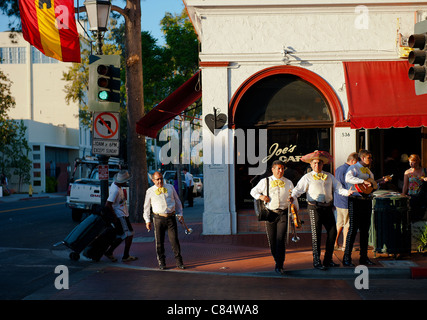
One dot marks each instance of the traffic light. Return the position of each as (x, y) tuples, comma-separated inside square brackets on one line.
[(418, 57), (104, 83)]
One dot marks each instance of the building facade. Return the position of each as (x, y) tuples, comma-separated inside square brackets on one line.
[(53, 131), (291, 77)]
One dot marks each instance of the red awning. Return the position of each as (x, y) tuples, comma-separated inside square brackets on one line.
[(380, 95), (170, 107)]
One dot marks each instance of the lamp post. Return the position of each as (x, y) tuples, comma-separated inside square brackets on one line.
[(98, 12)]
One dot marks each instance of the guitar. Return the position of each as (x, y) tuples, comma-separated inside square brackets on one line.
[(364, 189)]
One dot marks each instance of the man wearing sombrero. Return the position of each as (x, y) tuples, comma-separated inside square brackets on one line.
[(319, 187)]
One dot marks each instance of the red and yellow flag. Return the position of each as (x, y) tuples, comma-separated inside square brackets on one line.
[(50, 26)]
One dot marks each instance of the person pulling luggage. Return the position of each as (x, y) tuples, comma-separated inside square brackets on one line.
[(116, 203)]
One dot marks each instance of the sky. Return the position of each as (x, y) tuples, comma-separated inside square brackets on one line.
[(152, 12)]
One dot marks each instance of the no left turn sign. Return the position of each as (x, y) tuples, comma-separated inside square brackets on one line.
[(106, 125)]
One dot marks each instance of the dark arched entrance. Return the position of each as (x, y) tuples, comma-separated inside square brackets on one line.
[(294, 106)]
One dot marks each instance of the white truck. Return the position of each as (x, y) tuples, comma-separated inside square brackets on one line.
[(85, 193)]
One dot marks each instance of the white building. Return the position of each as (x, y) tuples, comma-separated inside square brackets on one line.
[(316, 74), (52, 126)]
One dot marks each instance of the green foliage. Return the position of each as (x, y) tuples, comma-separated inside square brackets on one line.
[(422, 239)]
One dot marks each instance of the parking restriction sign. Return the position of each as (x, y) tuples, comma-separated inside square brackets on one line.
[(106, 133)]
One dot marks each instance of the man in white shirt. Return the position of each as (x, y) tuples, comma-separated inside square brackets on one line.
[(116, 203), (189, 183), (277, 201), (165, 203), (319, 187)]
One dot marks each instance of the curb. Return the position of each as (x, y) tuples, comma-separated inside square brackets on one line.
[(418, 273)]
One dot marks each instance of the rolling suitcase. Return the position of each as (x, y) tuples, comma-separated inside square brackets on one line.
[(84, 234), (99, 246)]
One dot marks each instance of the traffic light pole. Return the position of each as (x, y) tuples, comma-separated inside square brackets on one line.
[(103, 160)]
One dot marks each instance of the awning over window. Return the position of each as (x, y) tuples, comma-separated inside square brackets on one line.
[(170, 107), (380, 95)]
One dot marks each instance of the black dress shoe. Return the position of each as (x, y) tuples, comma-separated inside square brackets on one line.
[(347, 263), (319, 266), (162, 266), (366, 261), (181, 266), (331, 264), (280, 271)]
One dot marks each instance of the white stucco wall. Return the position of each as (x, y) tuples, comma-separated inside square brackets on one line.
[(315, 34)]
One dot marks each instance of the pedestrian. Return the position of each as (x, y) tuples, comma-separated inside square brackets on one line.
[(116, 203), (166, 205), (190, 186), (359, 207), (341, 202), (4, 183), (278, 203), (413, 180), (319, 187)]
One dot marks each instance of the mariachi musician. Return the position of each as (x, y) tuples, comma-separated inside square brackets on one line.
[(278, 202), (360, 178), (319, 187)]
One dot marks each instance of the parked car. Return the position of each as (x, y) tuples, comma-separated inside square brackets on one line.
[(84, 194), (198, 186)]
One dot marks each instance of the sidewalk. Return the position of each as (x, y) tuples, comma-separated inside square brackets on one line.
[(230, 267), (25, 196)]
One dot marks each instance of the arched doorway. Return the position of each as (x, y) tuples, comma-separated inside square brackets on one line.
[(298, 109)]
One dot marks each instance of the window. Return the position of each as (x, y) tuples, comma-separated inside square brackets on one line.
[(13, 55), (39, 57), (282, 100)]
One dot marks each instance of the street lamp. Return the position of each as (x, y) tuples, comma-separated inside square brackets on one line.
[(98, 12)]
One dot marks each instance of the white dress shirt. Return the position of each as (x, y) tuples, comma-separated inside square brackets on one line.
[(317, 189), (162, 203), (189, 179), (278, 195)]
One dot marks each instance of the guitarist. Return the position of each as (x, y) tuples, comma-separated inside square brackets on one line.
[(359, 207)]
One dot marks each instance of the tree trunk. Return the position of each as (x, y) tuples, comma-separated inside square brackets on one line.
[(136, 152)]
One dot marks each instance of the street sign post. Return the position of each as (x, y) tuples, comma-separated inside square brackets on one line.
[(106, 133)]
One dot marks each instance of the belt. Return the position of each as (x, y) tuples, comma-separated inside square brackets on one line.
[(279, 211), (320, 204), (170, 214)]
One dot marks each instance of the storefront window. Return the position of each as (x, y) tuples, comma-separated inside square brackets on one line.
[(287, 145)]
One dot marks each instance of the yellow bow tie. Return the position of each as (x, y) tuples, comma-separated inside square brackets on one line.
[(320, 176), (161, 190), (277, 183), (365, 170)]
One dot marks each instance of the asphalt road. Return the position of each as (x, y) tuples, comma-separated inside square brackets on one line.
[(28, 231)]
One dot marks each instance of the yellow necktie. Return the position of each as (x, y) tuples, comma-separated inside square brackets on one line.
[(320, 176), (161, 190), (365, 170), (277, 183)]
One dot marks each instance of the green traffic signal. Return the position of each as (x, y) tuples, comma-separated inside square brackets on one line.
[(103, 95), (104, 83)]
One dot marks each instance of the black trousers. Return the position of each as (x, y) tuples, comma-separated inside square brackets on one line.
[(322, 216), (190, 196), (276, 235), (359, 213), (161, 225)]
